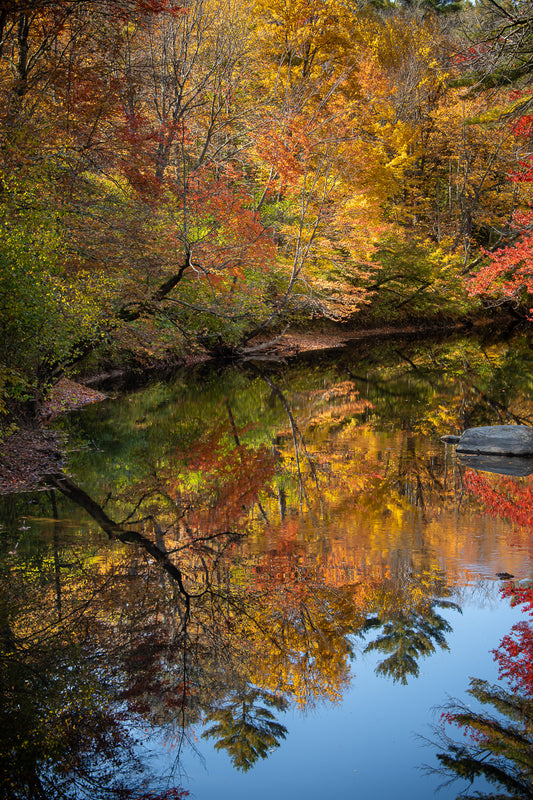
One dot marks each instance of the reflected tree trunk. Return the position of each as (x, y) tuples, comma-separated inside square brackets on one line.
[(57, 564)]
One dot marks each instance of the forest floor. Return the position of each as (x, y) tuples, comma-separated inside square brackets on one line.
[(296, 342), (287, 345), (33, 450)]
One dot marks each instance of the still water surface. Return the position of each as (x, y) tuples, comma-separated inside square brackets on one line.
[(273, 580)]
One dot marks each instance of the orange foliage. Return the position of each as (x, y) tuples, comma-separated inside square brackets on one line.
[(227, 478)]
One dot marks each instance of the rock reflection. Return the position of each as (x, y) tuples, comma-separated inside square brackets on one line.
[(516, 466)]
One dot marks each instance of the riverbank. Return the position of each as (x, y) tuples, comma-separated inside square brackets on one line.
[(33, 450), (290, 344)]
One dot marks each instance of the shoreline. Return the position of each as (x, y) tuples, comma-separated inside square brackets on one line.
[(292, 344), (34, 450)]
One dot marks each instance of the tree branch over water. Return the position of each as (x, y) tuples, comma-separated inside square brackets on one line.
[(115, 530)]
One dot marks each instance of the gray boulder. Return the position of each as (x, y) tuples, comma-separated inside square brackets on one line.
[(497, 440)]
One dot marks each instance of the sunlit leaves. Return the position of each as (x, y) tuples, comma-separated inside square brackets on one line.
[(507, 277)]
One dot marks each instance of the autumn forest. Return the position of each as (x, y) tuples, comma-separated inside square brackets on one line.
[(229, 570), (192, 177)]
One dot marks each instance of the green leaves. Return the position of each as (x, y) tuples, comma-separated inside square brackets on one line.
[(46, 315)]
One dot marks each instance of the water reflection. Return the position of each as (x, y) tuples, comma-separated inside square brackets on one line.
[(517, 466), (244, 726), (497, 731), (407, 635), (223, 548), (160, 637)]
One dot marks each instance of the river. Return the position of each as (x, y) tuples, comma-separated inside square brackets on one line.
[(276, 580)]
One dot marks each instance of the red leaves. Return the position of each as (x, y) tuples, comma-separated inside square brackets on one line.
[(519, 596), (525, 172), (515, 653), (515, 658), (157, 6), (523, 127), (285, 148), (230, 477), (508, 499), (133, 8), (513, 501), (509, 273), (471, 55)]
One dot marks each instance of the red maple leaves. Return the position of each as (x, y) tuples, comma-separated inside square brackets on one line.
[(515, 653)]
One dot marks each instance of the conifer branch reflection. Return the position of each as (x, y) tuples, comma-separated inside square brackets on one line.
[(497, 734)]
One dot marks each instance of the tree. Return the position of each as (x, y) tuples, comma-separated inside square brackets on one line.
[(57, 96), (47, 318)]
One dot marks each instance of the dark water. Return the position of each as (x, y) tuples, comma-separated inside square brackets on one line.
[(272, 581)]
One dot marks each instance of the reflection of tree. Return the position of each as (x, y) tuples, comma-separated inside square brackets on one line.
[(411, 626), (503, 496), (59, 735), (515, 653), (500, 747), (169, 632), (174, 625), (499, 744), (119, 638), (457, 384), (407, 638), (246, 730)]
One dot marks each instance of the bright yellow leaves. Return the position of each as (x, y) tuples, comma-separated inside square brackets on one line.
[(366, 99), (241, 162), (300, 38), (348, 98)]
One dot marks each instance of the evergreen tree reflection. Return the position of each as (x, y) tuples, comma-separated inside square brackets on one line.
[(411, 627), (500, 743), (246, 730), (498, 736)]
